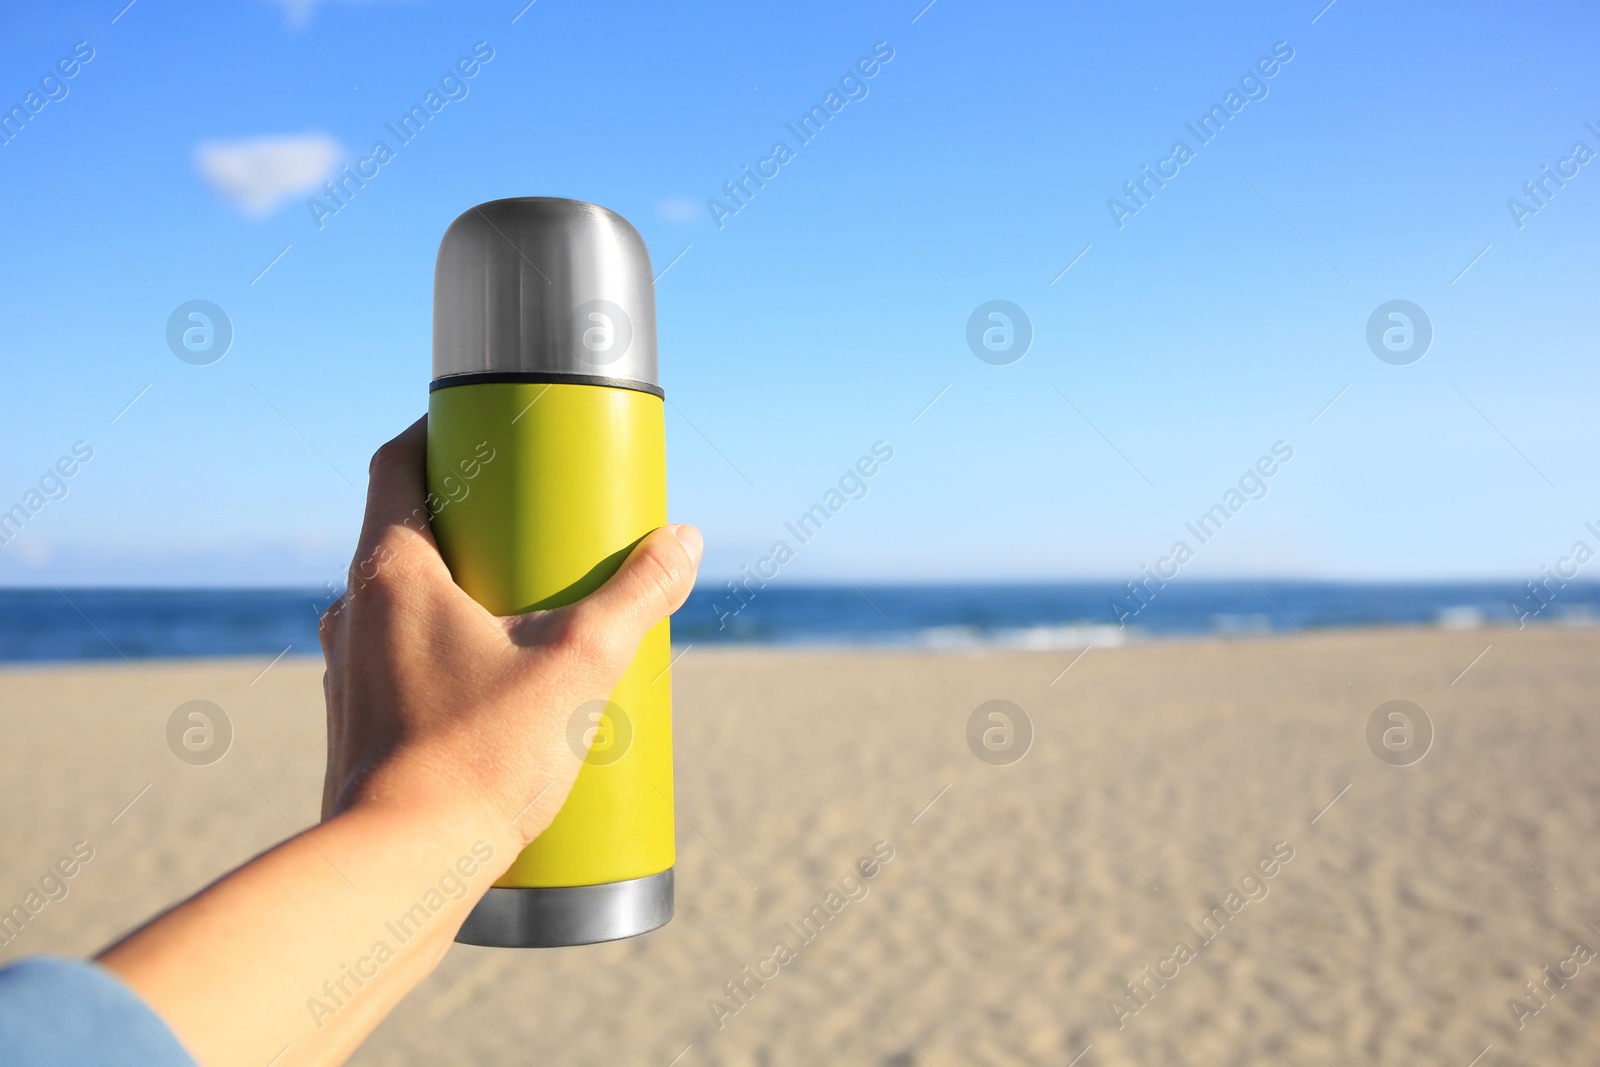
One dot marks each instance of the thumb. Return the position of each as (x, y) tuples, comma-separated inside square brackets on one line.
[(651, 584)]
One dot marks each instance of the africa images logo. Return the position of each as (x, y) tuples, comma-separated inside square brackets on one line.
[(1399, 332), (999, 332)]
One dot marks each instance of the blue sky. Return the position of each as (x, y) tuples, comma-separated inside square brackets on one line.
[(826, 313)]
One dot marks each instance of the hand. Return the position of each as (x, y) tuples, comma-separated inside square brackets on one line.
[(446, 729), (434, 701)]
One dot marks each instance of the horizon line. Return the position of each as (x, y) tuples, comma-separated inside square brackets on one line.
[(845, 583)]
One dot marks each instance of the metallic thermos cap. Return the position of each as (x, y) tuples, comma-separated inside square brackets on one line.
[(542, 289)]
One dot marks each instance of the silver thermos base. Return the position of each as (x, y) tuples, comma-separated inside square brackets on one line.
[(569, 915)]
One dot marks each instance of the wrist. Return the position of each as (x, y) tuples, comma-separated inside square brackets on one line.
[(456, 829)]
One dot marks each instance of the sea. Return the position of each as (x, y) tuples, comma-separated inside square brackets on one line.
[(41, 625)]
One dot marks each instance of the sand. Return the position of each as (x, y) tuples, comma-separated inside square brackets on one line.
[(1419, 899)]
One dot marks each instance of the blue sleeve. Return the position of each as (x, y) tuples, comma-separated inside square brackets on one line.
[(57, 1011)]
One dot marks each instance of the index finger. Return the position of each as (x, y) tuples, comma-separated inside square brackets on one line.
[(397, 490)]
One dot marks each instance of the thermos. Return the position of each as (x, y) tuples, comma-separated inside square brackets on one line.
[(546, 465)]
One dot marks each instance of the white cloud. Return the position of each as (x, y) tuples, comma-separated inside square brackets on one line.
[(300, 11), (258, 174), (680, 210)]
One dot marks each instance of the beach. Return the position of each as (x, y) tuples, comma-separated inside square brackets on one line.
[(1218, 794)]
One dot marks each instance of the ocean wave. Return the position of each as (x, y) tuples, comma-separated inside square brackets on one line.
[(1460, 617), (1043, 638)]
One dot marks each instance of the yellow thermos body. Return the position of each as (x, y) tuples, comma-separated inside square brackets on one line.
[(546, 465)]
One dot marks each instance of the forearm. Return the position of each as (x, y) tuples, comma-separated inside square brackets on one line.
[(310, 944)]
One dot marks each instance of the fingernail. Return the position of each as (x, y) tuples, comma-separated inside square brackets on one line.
[(691, 540)]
